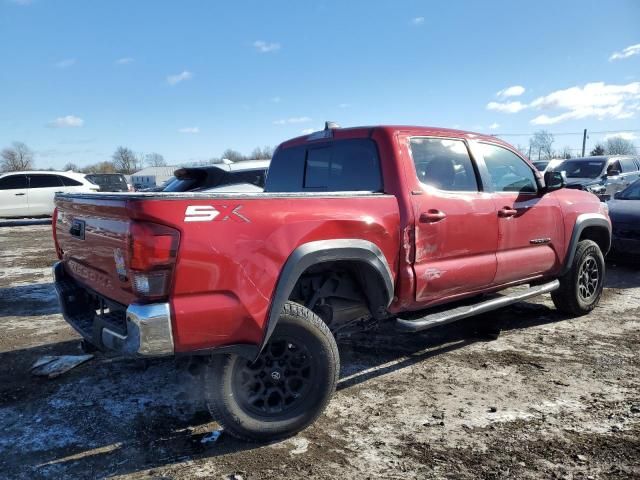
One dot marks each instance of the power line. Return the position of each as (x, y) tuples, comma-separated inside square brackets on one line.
[(562, 133)]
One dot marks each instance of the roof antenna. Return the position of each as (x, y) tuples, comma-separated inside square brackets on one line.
[(331, 125)]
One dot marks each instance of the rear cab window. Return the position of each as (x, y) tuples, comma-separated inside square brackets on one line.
[(350, 165)]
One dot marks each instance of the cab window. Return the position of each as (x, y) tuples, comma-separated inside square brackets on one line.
[(509, 172), (444, 164)]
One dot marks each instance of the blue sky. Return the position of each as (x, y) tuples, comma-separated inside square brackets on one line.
[(188, 79)]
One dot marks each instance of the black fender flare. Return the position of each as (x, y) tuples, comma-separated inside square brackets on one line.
[(583, 221), (313, 253)]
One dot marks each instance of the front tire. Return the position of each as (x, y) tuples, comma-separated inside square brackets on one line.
[(285, 389), (581, 287)]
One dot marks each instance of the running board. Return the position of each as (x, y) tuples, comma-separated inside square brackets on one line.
[(442, 318)]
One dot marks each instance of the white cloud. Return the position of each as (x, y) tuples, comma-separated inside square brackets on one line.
[(192, 130), (66, 63), (624, 135), (68, 121), (180, 77), (417, 21), (290, 120), (598, 99), (506, 107), (124, 61), (630, 51), (494, 126), (307, 131), (514, 91), (266, 47)]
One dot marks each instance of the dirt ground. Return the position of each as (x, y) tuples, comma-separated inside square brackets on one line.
[(551, 397)]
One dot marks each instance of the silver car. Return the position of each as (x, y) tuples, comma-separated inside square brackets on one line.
[(601, 175)]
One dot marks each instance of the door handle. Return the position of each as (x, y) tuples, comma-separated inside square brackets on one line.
[(507, 212), (432, 216), (18, 194)]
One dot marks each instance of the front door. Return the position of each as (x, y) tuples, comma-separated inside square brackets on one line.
[(530, 224), (14, 198), (456, 225)]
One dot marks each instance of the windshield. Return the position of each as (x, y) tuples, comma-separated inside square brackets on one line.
[(630, 193), (581, 168)]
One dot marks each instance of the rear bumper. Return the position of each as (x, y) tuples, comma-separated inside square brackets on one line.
[(138, 330)]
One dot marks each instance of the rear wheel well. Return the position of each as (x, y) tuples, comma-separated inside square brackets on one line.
[(600, 235), (342, 291)]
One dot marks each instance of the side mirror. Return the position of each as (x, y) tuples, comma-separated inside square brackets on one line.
[(554, 181)]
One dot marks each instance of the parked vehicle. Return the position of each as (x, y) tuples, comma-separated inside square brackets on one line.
[(604, 176), (544, 165), (213, 177), (624, 211), (109, 182), (30, 194), (422, 226)]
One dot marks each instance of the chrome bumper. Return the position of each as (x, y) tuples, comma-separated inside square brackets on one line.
[(141, 330)]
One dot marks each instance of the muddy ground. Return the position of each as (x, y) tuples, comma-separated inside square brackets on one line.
[(552, 397)]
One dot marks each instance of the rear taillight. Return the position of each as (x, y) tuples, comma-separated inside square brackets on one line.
[(54, 222), (152, 257)]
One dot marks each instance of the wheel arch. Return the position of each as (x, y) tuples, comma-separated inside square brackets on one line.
[(588, 226), (378, 286)]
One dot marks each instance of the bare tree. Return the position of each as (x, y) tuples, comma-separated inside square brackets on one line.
[(619, 146), (263, 153), (125, 161), (233, 155), (155, 160), (597, 150), (70, 166), (100, 167), (542, 144), (564, 153), (15, 158)]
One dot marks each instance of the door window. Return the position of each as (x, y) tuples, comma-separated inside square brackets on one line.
[(613, 168), (44, 181), (628, 165), (13, 182), (444, 164), (69, 182), (509, 172)]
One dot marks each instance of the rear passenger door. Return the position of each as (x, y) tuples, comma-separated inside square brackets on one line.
[(630, 171), (42, 189), (530, 224), (456, 225), (14, 199)]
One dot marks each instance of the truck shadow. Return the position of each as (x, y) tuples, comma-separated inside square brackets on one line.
[(36, 299), (115, 417)]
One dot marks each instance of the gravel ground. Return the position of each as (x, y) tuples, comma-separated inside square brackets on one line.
[(551, 397)]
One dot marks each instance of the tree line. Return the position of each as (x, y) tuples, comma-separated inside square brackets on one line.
[(19, 156), (541, 147)]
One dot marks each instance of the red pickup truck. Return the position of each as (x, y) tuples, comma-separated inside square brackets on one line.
[(422, 226)]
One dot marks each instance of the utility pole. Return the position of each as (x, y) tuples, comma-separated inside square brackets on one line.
[(584, 140)]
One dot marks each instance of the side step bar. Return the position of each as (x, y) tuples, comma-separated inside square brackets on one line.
[(448, 316)]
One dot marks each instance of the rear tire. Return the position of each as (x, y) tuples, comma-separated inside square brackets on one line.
[(581, 287), (285, 389)]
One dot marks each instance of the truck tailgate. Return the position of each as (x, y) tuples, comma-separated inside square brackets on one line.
[(92, 236)]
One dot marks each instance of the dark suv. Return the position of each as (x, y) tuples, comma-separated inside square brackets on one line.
[(109, 182)]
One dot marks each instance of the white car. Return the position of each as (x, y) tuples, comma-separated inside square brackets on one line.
[(30, 194)]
